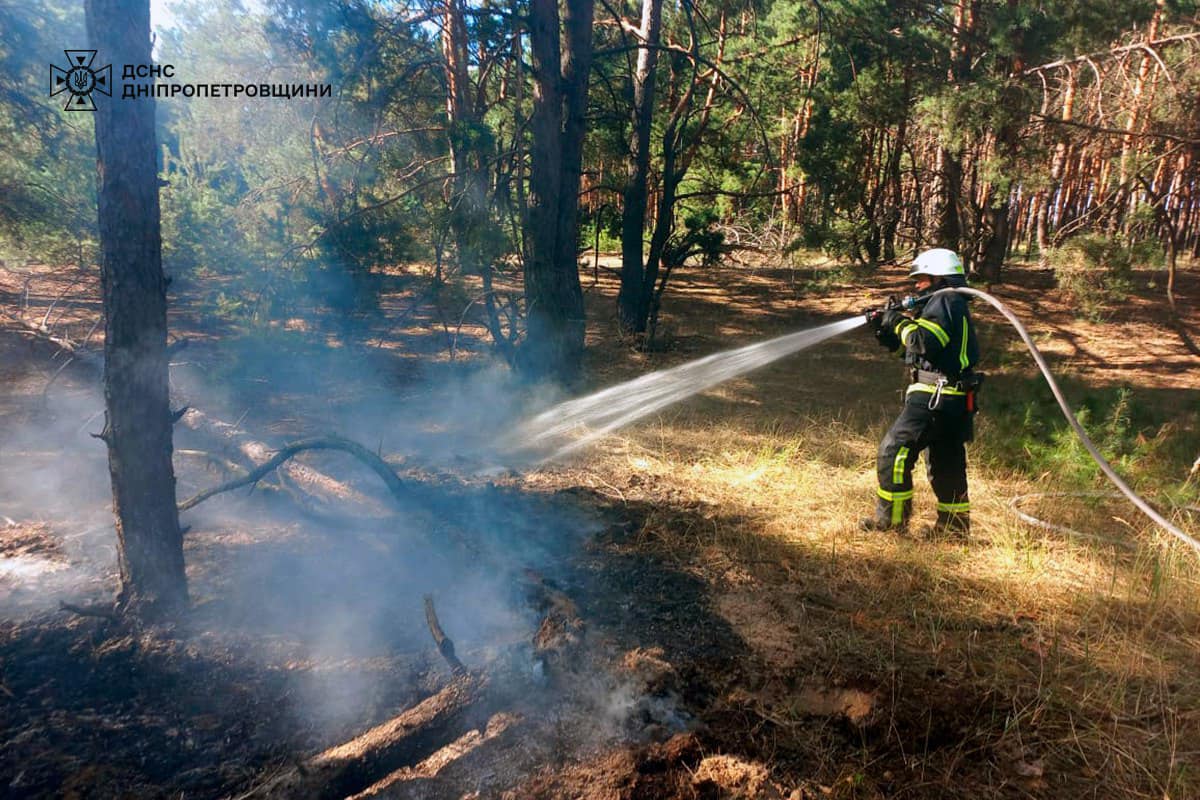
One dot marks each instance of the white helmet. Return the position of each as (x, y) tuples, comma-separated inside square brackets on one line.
[(938, 263)]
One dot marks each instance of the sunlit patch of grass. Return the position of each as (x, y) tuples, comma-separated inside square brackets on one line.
[(1094, 645)]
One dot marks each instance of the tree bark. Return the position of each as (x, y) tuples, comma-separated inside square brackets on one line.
[(555, 322), (949, 169), (138, 417), (631, 301), (1008, 144)]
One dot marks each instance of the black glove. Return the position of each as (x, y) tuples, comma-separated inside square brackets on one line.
[(890, 318), (888, 338)]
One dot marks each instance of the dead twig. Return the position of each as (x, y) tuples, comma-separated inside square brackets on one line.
[(46, 389), (46, 317), (444, 644)]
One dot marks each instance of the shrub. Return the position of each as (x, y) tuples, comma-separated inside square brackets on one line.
[(1095, 271)]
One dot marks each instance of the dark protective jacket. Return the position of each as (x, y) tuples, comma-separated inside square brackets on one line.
[(942, 339)]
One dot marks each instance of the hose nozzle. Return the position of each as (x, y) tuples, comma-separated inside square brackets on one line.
[(909, 303)]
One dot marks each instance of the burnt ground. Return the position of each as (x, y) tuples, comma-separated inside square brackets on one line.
[(687, 669)]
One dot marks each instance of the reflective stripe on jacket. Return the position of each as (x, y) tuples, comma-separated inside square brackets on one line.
[(942, 339)]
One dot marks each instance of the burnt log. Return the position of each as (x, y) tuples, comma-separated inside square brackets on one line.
[(402, 741)]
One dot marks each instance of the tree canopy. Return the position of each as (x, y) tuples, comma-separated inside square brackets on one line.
[(865, 128)]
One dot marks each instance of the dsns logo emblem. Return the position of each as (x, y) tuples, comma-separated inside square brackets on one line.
[(80, 80)]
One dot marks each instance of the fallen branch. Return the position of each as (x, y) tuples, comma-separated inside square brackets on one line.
[(380, 467), (457, 764), (238, 445), (87, 357), (444, 644), (401, 741), (212, 458), (46, 317), (46, 389)]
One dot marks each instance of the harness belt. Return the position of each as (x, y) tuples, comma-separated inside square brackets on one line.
[(935, 384), (926, 376)]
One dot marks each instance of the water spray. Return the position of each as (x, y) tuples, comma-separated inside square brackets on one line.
[(610, 409), (605, 411)]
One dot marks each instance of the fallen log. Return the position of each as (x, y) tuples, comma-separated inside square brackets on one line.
[(239, 447), (401, 741), (231, 436), (454, 765), (88, 358)]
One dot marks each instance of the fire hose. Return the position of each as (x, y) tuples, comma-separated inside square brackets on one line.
[(1069, 414)]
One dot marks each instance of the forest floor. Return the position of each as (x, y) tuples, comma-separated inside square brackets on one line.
[(684, 610)]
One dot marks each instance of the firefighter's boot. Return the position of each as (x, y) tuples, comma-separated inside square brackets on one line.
[(950, 525), (890, 515)]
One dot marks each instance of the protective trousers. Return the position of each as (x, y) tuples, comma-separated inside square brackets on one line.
[(944, 433)]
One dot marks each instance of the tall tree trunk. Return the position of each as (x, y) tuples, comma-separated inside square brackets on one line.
[(555, 323), (677, 159), (1008, 143), (470, 208), (138, 422), (949, 163), (892, 213), (1132, 124), (469, 203), (1056, 190), (631, 301)]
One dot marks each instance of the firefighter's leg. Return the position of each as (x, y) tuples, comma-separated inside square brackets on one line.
[(948, 475), (898, 452)]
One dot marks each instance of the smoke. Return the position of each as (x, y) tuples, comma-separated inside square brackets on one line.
[(57, 541), (334, 592)]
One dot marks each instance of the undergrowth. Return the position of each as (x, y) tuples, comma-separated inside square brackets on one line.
[(1150, 439), (1097, 271)]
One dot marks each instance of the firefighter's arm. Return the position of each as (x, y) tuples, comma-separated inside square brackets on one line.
[(929, 333)]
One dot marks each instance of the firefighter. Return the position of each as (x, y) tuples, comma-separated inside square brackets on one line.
[(940, 350)]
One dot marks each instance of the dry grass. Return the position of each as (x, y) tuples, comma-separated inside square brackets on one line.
[(1057, 666)]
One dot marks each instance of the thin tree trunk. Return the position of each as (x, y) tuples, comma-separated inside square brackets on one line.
[(1008, 143), (1054, 193), (1132, 123), (631, 301), (677, 159), (895, 195), (138, 417), (553, 294), (949, 163), (470, 209)]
